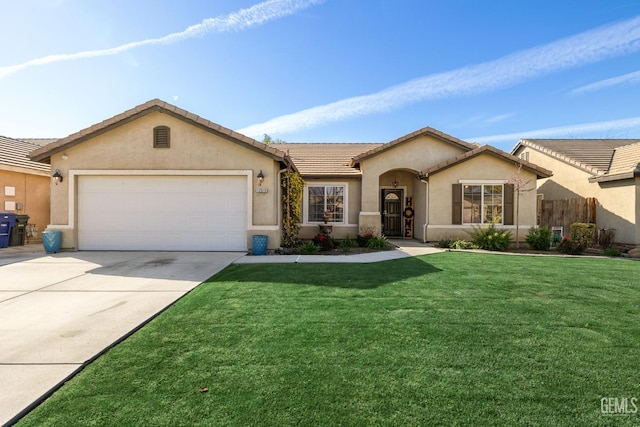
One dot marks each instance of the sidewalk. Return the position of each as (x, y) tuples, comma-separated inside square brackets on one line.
[(403, 249)]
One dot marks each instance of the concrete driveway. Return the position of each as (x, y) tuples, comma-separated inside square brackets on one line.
[(59, 311)]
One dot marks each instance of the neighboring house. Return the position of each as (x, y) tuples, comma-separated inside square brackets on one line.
[(605, 169), (24, 184), (157, 177)]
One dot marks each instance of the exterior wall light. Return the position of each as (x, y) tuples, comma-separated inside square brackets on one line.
[(260, 177), (57, 177)]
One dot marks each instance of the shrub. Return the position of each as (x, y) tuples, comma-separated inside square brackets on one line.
[(346, 244), (612, 252), (309, 248), (363, 240), (324, 241), (378, 242), (490, 238), (462, 244), (606, 237), (445, 243), (571, 247), (539, 238), (582, 232)]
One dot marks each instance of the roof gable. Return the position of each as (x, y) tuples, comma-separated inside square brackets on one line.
[(421, 132), (625, 159), (43, 154), (15, 153), (592, 155), (487, 149)]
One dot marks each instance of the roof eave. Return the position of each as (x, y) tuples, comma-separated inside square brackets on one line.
[(421, 132), (44, 154), (487, 149), (616, 177)]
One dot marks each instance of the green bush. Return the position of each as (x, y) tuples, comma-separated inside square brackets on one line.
[(378, 242), (445, 243), (309, 248), (325, 242), (582, 232), (612, 252), (363, 239), (539, 238), (571, 247), (346, 244), (462, 244), (490, 238)]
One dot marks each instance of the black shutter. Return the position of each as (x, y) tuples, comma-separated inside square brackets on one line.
[(456, 208)]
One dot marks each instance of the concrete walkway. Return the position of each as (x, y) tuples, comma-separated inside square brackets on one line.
[(403, 249)]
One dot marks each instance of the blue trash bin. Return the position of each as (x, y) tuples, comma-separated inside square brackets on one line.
[(7, 221), (51, 240), (259, 244)]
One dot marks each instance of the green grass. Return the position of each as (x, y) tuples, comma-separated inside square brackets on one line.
[(447, 339)]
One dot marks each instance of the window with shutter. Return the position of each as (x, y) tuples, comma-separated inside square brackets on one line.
[(482, 204), (161, 137)]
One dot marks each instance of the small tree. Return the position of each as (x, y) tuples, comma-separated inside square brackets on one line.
[(268, 140), (520, 187)]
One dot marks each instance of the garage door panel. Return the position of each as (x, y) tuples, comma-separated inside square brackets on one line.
[(162, 213)]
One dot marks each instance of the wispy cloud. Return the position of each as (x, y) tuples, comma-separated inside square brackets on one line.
[(244, 18), (602, 84), (497, 119), (584, 48), (607, 127)]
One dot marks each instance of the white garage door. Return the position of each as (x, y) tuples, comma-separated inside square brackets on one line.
[(177, 213)]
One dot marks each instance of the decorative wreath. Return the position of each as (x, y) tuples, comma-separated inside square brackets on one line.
[(408, 212)]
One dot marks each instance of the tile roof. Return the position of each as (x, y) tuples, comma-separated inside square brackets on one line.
[(625, 159), (15, 153), (39, 141), (325, 159), (487, 149), (593, 155), (43, 154), (424, 131)]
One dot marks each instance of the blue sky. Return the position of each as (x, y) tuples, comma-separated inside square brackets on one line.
[(328, 70)]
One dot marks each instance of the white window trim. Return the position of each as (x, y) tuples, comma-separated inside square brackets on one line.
[(483, 183), (305, 202)]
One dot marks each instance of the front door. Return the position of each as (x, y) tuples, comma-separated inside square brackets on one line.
[(392, 212)]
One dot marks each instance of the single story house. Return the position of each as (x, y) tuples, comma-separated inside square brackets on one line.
[(605, 169), (25, 184), (157, 177)]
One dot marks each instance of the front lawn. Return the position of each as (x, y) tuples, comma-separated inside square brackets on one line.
[(448, 339)]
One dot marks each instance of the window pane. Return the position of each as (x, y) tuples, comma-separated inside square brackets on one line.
[(316, 204), (329, 199), (335, 203), (471, 205), (492, 204)]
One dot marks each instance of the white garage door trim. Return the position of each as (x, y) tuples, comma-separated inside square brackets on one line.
[(184, 224)]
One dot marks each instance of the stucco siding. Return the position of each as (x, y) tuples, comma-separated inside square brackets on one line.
[(414, 155), (481, 168), (129, 147), (616, 200), (32, 191)]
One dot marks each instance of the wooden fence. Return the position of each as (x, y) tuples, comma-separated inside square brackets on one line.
[(563, 213)]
